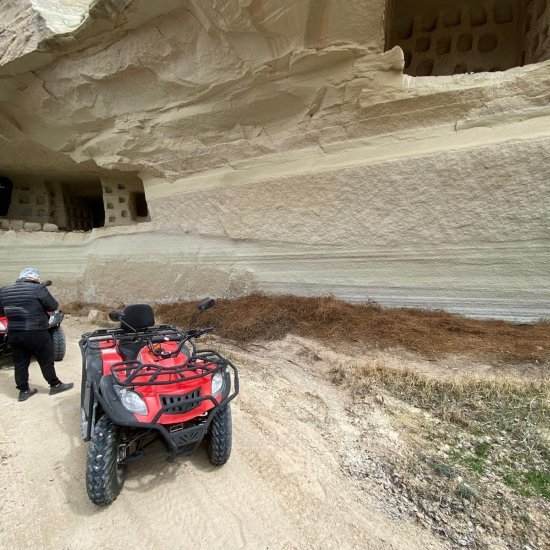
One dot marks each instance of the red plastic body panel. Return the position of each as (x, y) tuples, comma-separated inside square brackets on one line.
[(151, 393)]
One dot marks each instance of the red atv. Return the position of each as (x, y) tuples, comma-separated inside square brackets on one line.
[(58, 336), (146, 389)]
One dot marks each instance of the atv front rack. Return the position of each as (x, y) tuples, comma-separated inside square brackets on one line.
[(200, 364), (180, 440)]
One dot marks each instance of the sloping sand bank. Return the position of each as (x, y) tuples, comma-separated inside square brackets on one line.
[(282, 488)]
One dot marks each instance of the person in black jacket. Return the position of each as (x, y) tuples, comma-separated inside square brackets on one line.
[(26, 305)]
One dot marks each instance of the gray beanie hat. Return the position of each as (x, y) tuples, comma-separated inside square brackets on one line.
[(30, 273)]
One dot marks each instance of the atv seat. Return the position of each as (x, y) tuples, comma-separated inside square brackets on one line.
[(135, 317), (128, 348)]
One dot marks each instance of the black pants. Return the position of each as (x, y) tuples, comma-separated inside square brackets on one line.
[(25, 344)]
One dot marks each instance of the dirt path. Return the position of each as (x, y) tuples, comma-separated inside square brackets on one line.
[(283, 487)]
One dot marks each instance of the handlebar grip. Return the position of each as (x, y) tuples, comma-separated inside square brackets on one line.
[(197, 332)]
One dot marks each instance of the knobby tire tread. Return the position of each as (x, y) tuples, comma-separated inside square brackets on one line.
[(219, 442), (101, 477), (59, 344)]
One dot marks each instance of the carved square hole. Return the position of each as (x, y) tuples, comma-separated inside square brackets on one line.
[(422, 44)]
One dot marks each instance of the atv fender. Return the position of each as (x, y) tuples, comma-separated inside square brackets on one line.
[(105, 394), (92, 371), (103, 400)]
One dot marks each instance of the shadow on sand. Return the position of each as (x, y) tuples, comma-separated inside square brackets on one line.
[(146, 475)]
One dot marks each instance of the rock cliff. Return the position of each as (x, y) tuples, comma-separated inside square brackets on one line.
[(280, 146)]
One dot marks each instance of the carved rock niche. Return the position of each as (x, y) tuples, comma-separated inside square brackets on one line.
[(445, 37)]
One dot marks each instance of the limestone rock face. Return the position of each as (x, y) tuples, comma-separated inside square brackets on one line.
[(281, 147)]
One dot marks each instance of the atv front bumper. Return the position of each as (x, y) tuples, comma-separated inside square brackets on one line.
[(181, 439)]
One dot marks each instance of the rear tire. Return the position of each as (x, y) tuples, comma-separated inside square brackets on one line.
[(59, 344), (104, 475), (219, 442)]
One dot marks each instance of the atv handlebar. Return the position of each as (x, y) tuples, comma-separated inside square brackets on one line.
[(193, 333)]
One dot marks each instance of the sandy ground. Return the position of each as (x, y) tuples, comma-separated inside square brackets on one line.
[(284, 486)]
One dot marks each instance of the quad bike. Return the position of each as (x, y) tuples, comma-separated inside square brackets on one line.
[(147, 389), (58, 335)]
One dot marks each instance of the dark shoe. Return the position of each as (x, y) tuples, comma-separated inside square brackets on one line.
[(60, 387), (25, 394)]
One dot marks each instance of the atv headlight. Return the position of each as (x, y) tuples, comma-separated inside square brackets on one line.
[(131, 400), (217, 383), (2, 326)]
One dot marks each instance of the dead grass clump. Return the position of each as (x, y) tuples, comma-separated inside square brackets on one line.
[(430, 333), (77, 308), (83, 309)]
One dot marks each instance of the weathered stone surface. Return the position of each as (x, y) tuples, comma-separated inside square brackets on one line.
[(281, 149), (50, 227), (31, 226), (98, 317), (17, 225)]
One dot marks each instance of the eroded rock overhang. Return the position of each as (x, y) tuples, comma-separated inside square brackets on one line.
[(282, 149)]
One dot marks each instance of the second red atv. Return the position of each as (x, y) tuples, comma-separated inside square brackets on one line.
[(146, 389)]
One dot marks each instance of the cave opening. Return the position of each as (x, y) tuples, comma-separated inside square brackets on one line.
[(6, 188), (74, 202), (82, 205), (446, 37), (139, 205)]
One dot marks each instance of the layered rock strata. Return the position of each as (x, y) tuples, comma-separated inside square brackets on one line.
[(279, 148)]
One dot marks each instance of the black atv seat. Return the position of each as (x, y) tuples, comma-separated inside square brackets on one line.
[(134, 318), (137, 317), (128, 348)]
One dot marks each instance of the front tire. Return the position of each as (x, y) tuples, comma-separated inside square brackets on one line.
[(104, 474), (59, 344), (219, 442)]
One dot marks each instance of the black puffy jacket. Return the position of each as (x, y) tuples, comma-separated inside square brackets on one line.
[(26, 305)]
